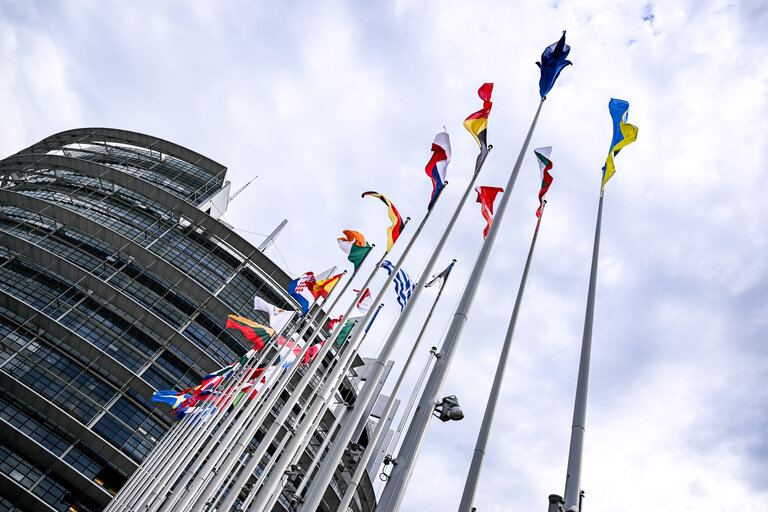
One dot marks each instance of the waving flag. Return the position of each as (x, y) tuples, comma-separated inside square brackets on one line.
[(477, 123), (204, 410), (364, 304), (257, 333), (553, 60), (440, 278), (438, 164), (311, 353), (354, 246), (301, 290), (173, 398), (403, 284), (253, 383), (623, 135), (333, 321), (278, 318), (324, 287), (394, 231), (486, 196), (290, 350), (545, 165), (346, 330)]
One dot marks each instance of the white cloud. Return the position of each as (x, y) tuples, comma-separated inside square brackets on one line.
[(325, 101)]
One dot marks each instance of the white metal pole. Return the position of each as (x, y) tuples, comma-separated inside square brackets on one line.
[(315, 493), (372, 441), (395, 488), (473, 475), (573, 477)]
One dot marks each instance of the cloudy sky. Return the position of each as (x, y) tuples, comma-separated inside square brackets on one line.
[(325, 100)]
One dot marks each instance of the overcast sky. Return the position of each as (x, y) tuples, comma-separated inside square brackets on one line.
[(325, 100)]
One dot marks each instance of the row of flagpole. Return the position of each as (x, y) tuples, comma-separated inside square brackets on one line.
[(257, 420), (206, 453), (316, 491), (401, 471)]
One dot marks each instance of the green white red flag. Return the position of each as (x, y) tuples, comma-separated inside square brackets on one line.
[(545, 165)]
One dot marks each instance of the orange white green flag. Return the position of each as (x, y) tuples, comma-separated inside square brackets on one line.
[(353, 244)]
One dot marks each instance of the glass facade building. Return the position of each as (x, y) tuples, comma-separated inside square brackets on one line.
[(116, 278)]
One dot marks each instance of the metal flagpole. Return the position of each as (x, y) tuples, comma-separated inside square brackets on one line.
[(163, 480), (335, 379), (298, 443), (230, 472), (400, 324), (325, 472), (154, 475), (271, 492), (303, 383), (411, 400), (573, 477), (485, 428), (372, 441), (160, 453), (324, 445), (223, 457), (398, 480)]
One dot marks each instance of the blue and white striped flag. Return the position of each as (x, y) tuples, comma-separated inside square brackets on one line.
[(403, 284)]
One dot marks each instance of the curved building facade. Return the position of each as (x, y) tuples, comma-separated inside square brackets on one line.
[(116, 278)]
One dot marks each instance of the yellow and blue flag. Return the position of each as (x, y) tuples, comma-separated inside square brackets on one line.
[(624, 134)]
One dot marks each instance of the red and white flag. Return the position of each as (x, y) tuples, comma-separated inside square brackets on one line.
[(333, 321), (486, 196), (364, 304)]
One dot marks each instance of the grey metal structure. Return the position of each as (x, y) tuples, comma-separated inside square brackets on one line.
[(394, 491), (115, 281)]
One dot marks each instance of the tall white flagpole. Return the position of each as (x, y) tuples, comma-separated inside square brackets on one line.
[(485, 428), (302, 385), (267, 496), (573, 477), (401, 472), (167, 473), (373, 440), (316, 491), (334, 380), (224, 453)]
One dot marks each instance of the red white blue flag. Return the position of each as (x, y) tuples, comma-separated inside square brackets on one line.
[(438, 164), (301, 290)]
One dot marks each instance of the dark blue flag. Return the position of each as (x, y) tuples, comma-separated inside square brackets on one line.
[(553, 60)]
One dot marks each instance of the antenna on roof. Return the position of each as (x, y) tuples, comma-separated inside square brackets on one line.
[(272, 235), (241, 189)]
